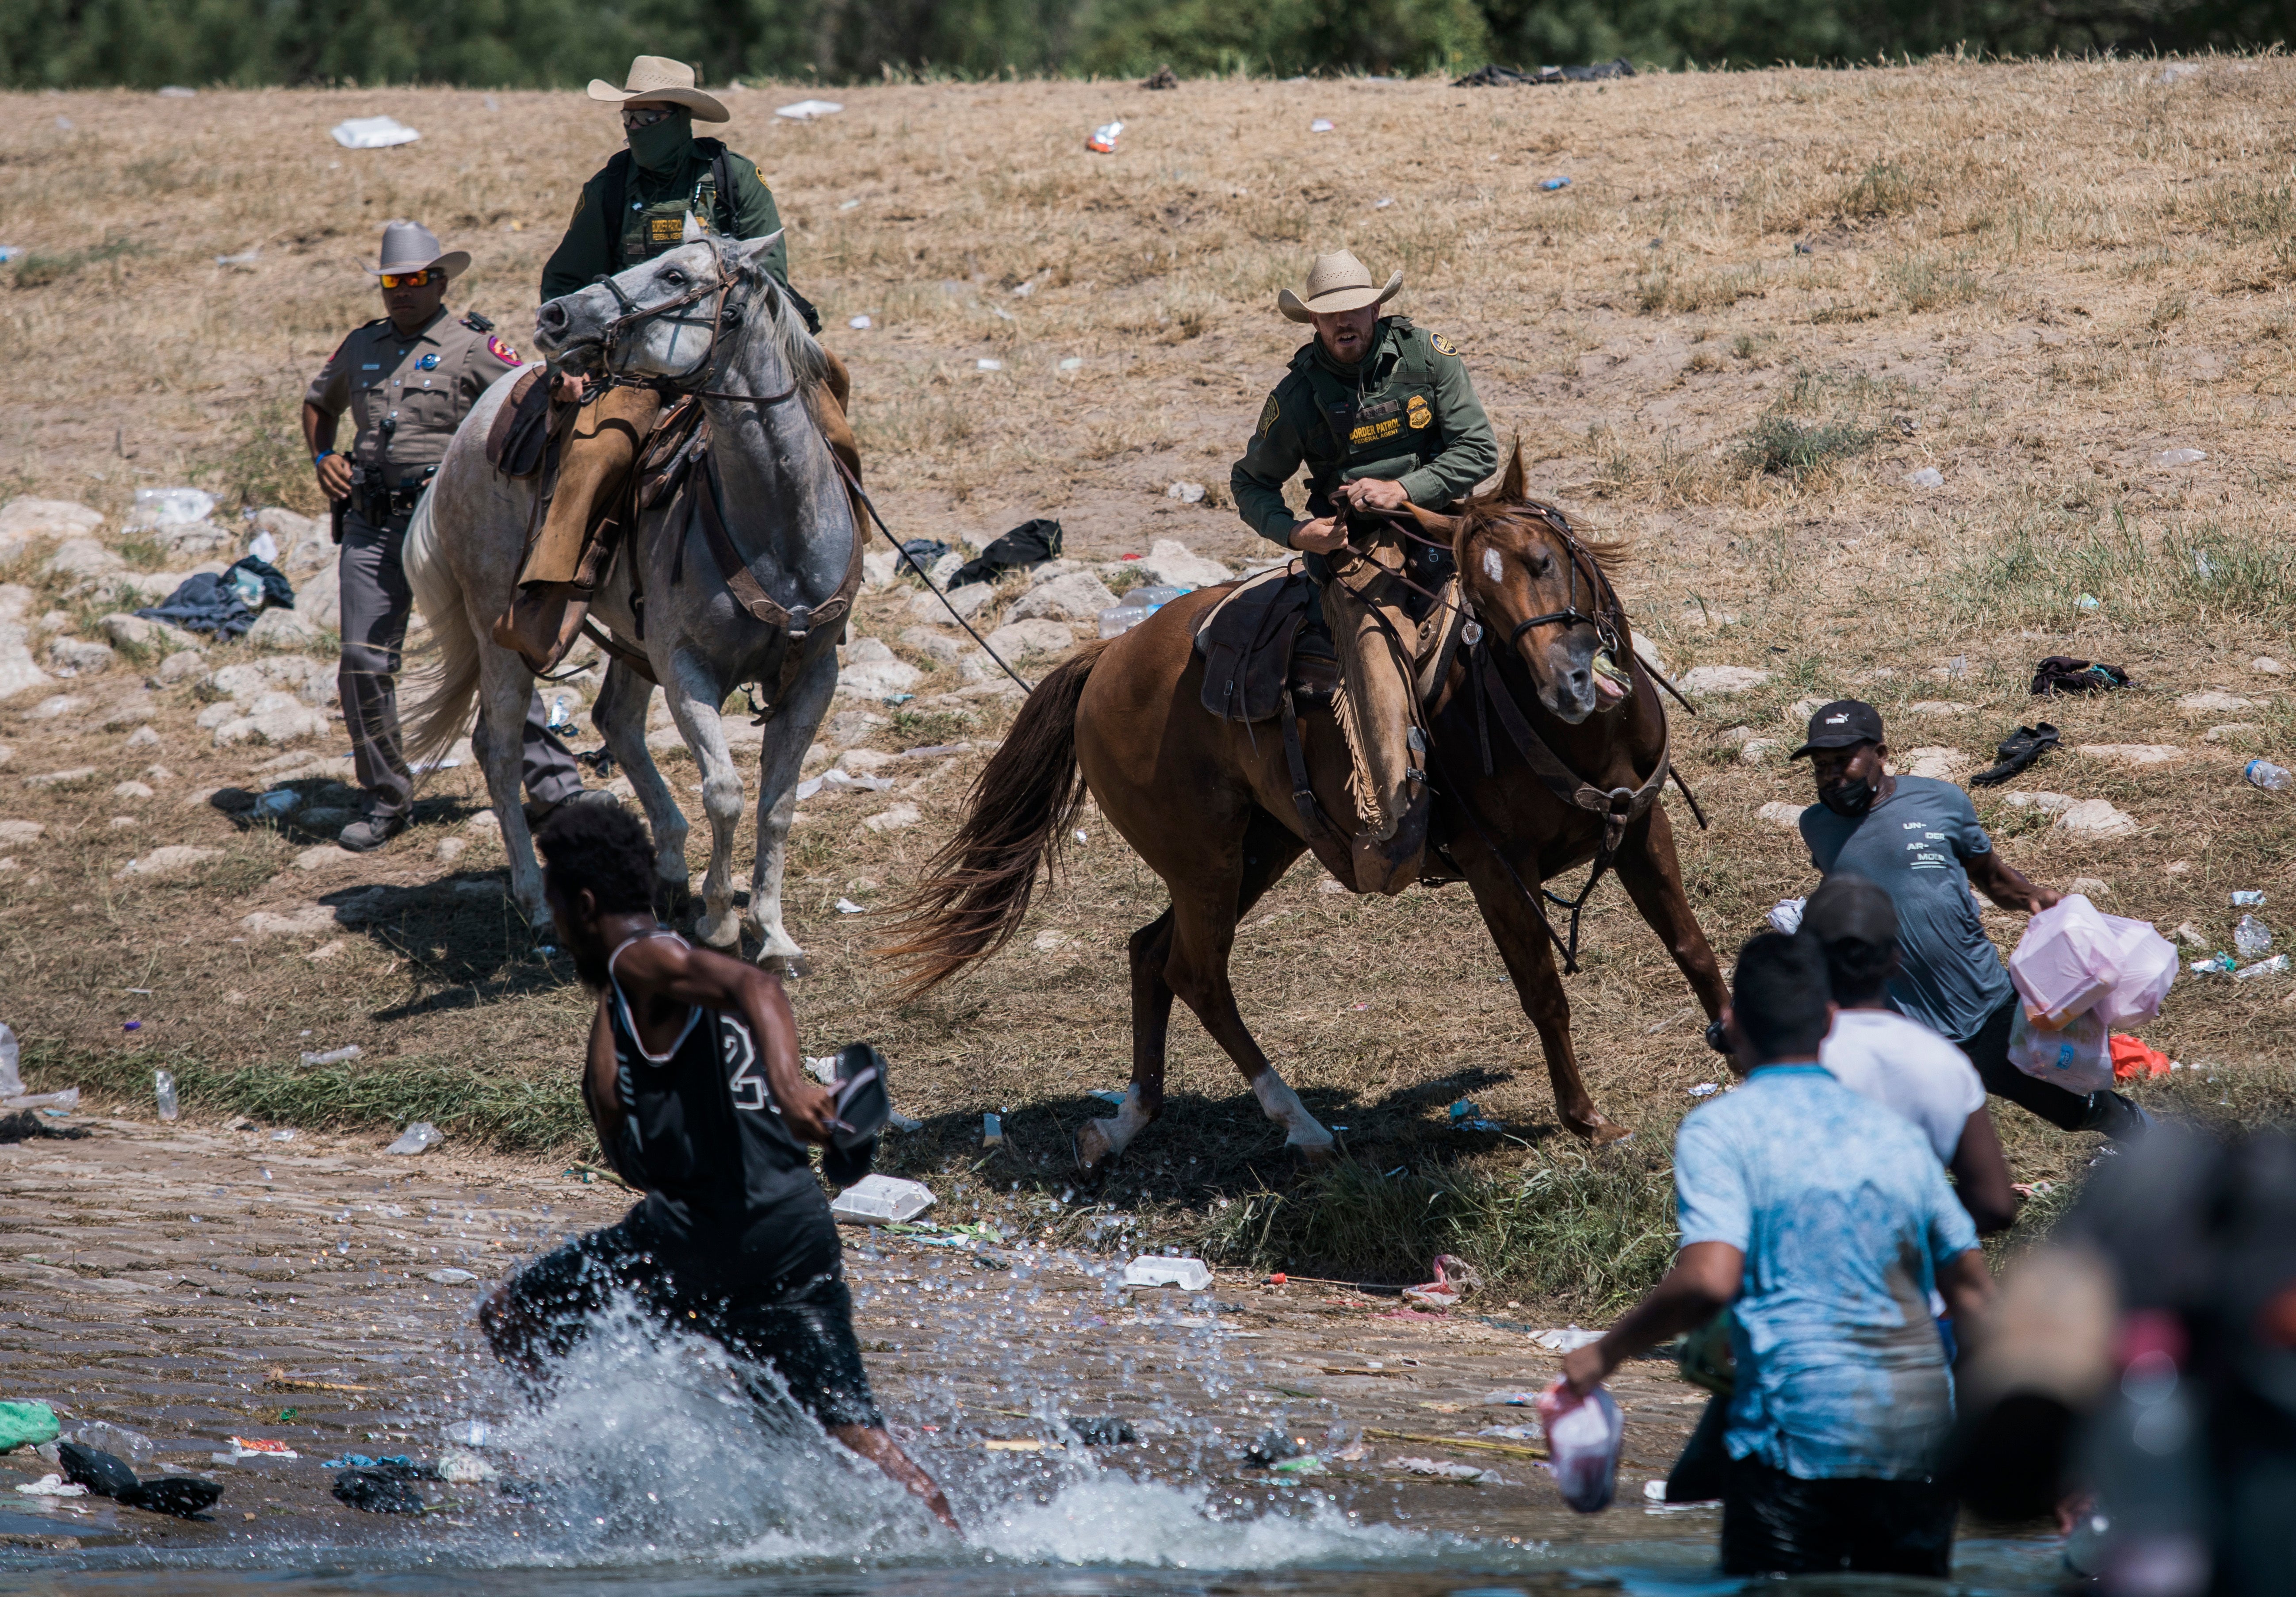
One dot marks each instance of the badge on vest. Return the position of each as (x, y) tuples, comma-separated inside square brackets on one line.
[(1443, 346), (665, 230), (428, 362), (501, 351), (1417, 412), (1267, 415)]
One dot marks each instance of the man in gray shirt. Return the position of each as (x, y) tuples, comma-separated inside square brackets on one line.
[(1919, 839)]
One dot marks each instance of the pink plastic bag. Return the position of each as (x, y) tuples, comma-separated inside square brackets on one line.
[(1583, 1435), (2073, 959)]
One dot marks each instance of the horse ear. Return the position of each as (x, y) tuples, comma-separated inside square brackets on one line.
[(751, 252), (1513, 487), (1443, 527)]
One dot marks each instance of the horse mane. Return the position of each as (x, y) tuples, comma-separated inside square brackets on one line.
[(1506, 500), (800, 350)]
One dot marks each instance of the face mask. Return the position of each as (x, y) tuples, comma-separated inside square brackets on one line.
[(1852, 798), (661, 147)]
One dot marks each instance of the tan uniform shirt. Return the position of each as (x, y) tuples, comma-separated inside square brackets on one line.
[(423, 384)]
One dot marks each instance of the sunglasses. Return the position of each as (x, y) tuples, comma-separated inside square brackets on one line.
[(407, 280), (635, 117)]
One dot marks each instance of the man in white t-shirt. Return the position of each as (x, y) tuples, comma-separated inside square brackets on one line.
[(1895, 1060)]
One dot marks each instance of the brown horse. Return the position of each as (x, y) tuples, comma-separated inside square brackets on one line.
[(1209, 804)]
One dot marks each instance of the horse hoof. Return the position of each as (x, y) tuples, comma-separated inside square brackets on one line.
[(1094, 1145), (1316, 1153), (1599, 1132), (725, 932), (788, 967)]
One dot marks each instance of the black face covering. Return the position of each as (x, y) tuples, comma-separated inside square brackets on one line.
[(1852, 797)]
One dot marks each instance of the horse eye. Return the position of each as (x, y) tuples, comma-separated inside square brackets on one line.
[(673, 277)]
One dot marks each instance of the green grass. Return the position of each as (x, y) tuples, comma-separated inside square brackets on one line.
[(42, 267), (2036, 574), (1778, 446), (516, 1114)]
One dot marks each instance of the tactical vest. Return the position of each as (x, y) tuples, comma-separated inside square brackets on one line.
[(646, 230), (1398, 424)]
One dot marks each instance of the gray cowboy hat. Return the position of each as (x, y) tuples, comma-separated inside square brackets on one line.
[(411, 247), (659, 77), (1337, 281)]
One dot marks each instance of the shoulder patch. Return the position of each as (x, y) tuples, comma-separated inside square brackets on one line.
[(581, 200), (503, 352), (476, 322), (1443, 346), (1268, 414)]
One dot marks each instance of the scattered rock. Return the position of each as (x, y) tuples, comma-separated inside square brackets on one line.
[(21, 832), (2048, 804), (304, 920), (18, 673), (2213, 700), (2268, 665), (1077, 596), (850, 726), (135, 632), (1018, 638), (449, 850), (1756, 751), (173, 860), (131, 790), (1170, 561), (1046, 941), (285, 724), (1738, 736), (75, 656), (1938, 765), (2132, 754), (309, 680), (282, 629), (121, 822), (180, 667), (1721, 679), (143, 737), (2232, 731), (2191, 935), (894, 819), (967, 601), (2180, 457), (26, 519), (880, 569), (1649, 656), (2090, 887), (2096, 818), (322, 856), (861, 761), (84, 559), (932, 643), (1785, 816), (1938, 706), (1928, 476), (62, 704), (870, 678), (1186, 493), (334, 949), (57, 779)]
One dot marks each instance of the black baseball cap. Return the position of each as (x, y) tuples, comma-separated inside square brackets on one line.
[(1848, 908), (1843, 723)]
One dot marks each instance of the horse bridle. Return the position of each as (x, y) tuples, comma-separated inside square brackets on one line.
[(730, 308), (1606, 625)]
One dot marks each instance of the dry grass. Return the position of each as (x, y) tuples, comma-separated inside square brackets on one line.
[(2033, 278)]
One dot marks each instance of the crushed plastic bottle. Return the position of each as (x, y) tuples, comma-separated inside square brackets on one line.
[(1103, 138), (2216, 965), (1137, 607), (2274, 966), (417, 1138), (2252, 938), (163, 1089), (2247, 897), (333, 1056), (2263, 773), (559, 714)]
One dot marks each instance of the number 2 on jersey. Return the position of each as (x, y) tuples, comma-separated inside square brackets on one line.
[(747, 1087)]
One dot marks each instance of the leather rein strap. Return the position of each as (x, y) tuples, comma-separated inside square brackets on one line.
[(802, 624)]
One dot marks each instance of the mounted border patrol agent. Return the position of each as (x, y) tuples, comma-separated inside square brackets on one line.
[(668, 188), (1382, 414), (408, 377)]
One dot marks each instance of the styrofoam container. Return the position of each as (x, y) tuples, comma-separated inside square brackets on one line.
[(1188, 1274), (881, 1201)]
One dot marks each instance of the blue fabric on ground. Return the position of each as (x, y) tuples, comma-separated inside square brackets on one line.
[(208, 602), (1845, 1217)]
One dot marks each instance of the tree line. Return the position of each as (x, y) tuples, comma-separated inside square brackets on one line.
[(145, 44)]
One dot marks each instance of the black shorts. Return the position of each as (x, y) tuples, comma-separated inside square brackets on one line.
[(1774, 1523), (793, 1313)]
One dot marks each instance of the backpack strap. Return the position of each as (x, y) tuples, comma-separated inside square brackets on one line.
[(721, 183), (617, 190)]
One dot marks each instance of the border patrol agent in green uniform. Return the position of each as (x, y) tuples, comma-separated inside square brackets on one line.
[(408, 379)]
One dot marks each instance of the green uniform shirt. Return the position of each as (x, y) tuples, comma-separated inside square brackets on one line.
[(421, 384), (654, 205), (1415, 421)]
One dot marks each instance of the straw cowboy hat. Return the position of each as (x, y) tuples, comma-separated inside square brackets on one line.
[(411, 247), (659, 77), (1337, 281)]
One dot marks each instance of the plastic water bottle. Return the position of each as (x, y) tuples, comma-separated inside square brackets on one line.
[(2252, 938), (11, 1082), (163, 1089), (558, 713), (2271, 778)]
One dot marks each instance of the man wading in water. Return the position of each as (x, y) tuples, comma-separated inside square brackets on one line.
[(694, 1085)]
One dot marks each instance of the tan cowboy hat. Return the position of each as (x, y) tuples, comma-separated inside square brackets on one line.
[(659, 77), (1337, 281), (411, 247)]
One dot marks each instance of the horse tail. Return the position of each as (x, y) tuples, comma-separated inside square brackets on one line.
[(451, 685), (976, 889)]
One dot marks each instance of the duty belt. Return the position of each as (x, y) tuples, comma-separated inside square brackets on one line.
[(376, 503)]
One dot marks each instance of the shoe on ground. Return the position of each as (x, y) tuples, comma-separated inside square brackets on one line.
[(361, 837), (537, 813)]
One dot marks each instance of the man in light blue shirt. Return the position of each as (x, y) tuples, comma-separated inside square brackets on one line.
[(1823, 1220)]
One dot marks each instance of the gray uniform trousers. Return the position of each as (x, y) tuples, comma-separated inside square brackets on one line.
[(375, 602)]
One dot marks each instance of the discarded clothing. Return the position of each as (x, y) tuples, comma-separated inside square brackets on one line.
[(98, 1470), (207, 602), (1496, 76), (2017, 751), (184, 1497), (377, 1492), (1030, 544), (2062, 674), (2134, 1059), (25, 1425), (924, 552), (25, 1125)]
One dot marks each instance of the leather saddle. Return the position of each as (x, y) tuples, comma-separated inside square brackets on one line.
[(521, 432), (1248, 641)]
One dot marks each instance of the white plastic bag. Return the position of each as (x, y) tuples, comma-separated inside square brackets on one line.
[(1583, 1435), (2077, 1056), (2073, 959)]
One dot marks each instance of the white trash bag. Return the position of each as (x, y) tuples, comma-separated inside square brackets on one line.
[(2074, 959), (1583, 1437)]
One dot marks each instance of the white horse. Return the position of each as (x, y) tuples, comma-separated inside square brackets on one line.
[(705, 318)]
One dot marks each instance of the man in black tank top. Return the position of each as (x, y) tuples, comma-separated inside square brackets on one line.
[(695, 1086)]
